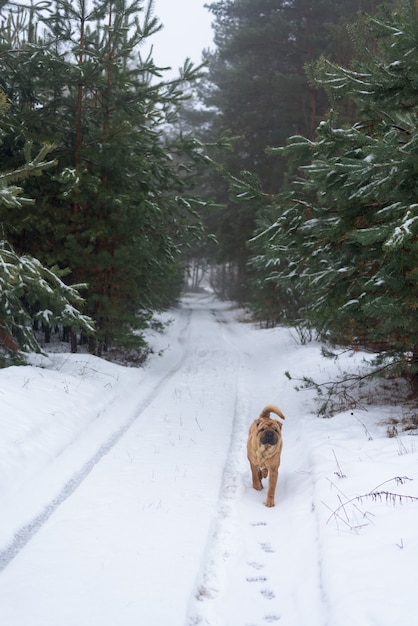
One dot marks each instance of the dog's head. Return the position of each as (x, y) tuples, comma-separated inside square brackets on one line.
[(268, 431)]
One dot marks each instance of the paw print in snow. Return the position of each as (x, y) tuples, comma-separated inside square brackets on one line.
[(266, 547), (256, 579)]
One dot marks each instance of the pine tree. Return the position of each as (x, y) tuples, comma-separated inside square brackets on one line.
[(30, 292), (348, 235), (121, 207), (258, 91)]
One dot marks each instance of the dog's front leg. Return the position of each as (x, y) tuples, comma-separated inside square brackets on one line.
[(273, 475), (255, 471)]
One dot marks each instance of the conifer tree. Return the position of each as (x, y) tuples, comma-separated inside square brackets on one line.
[(258, 91), (121, 206), (346, 240), (30, 292)]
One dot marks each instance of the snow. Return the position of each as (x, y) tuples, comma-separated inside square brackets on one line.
[(369, 158), (126, 496), (403, 232)]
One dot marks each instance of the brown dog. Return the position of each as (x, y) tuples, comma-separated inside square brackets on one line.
[(264, 448)]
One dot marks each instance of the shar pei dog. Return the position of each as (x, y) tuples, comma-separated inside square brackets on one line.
[(264, 448)]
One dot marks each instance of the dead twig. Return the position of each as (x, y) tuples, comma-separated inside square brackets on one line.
[(375, 495)]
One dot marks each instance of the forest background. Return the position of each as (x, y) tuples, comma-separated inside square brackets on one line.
[(287, 162)]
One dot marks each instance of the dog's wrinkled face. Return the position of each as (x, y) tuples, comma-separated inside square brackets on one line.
[(268, 431)]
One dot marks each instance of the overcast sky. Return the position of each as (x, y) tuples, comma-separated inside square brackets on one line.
[(187, 31)]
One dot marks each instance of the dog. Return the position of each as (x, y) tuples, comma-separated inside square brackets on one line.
[(264, 448)]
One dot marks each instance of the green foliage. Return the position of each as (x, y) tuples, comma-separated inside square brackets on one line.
[(30, 292), (120, 208), (345, 239), (256, 90)]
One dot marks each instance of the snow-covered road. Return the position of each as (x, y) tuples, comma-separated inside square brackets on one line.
[(127, 500)]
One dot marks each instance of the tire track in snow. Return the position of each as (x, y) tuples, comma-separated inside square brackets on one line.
[(222, 539), (31, 528), (255, 571)]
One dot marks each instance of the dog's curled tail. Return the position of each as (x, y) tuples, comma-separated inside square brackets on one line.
[(271, 408)]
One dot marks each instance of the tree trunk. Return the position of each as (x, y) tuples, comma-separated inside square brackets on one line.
[(414, 368), (7, 341), (73, 342)]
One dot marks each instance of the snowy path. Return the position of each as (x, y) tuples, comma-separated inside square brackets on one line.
[(247, 570), (126, 497), (158, 474), (110, 438)]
